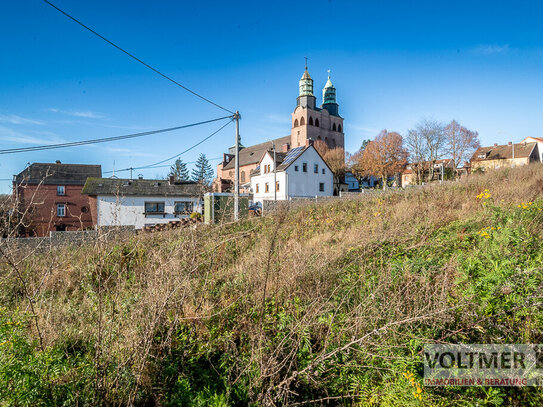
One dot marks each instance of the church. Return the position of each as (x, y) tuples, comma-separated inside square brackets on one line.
[(309, 124)]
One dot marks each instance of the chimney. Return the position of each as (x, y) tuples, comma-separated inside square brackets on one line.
[(510, 143), (58, 162), (172, 179), (286, 147)]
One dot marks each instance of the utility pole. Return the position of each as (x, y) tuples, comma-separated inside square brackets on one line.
[(236, 174)]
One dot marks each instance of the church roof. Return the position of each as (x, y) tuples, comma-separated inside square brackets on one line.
[(253, 154), (306, 75)]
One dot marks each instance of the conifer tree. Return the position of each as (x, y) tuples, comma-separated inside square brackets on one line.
[(180, 171), (202, 171)]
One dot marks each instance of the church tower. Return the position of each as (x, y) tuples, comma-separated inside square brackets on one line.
[(312, 123), (306, 97), (329, 98)]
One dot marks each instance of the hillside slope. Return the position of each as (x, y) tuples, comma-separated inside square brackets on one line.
[(328, 304)]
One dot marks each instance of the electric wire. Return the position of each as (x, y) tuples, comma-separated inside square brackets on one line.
[(155, 165), (107, 139), (136, 58), (160, 166)]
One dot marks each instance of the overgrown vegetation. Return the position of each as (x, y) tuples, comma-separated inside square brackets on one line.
[(327, 304)]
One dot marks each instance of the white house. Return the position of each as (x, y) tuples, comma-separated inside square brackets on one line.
[(139, 202), (539, 142), (300, 172)]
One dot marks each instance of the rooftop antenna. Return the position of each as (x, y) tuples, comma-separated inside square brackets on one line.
[(305, 63)]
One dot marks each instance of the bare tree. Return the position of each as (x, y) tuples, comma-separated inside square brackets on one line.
[(460, 142), (321, 147), (418, 151), (431, 136), (383, 157)]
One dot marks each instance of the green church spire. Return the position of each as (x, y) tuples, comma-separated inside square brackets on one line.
[(306, 83), (328, 92)]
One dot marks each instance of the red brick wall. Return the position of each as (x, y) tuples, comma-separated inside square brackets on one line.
[(42, 216)]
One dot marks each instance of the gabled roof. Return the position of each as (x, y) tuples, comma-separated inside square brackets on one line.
[(58, 174), (522, 150), (284, 160), (538, 139), (140, 187), (253, 154)]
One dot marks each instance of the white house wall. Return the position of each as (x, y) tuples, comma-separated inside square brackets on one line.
[(269, 178), (298, 183), (129, 210), (306, 184)]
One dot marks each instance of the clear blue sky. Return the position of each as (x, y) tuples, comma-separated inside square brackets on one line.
[(392, 62)]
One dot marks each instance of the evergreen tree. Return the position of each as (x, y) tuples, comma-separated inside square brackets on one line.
[(180, 171), (202, 171)]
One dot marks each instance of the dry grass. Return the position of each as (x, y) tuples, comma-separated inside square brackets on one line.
[(325, 269)]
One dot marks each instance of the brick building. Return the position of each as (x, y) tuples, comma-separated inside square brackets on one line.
[(309, 124), (49, 197)]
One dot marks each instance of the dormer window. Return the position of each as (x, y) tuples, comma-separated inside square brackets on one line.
[(481, 155)]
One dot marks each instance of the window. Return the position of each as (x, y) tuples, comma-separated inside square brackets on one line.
[(317, 122), (323, 171), (310, 121), (295, 168), (339, 128), (334, 127), (296, 123), (183, 207), (321, 186), (267, 187), (257, 188), (61, 191), (61, 210), (304, 167), (316, 169), (84, 209), (154, 207), (277, 186), (302, 121)]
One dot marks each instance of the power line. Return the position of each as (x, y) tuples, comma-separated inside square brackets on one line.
[(158, 166), (137, 59), (155, 165), (106, 139)]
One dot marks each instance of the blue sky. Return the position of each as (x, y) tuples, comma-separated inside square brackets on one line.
[(392, 62)]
